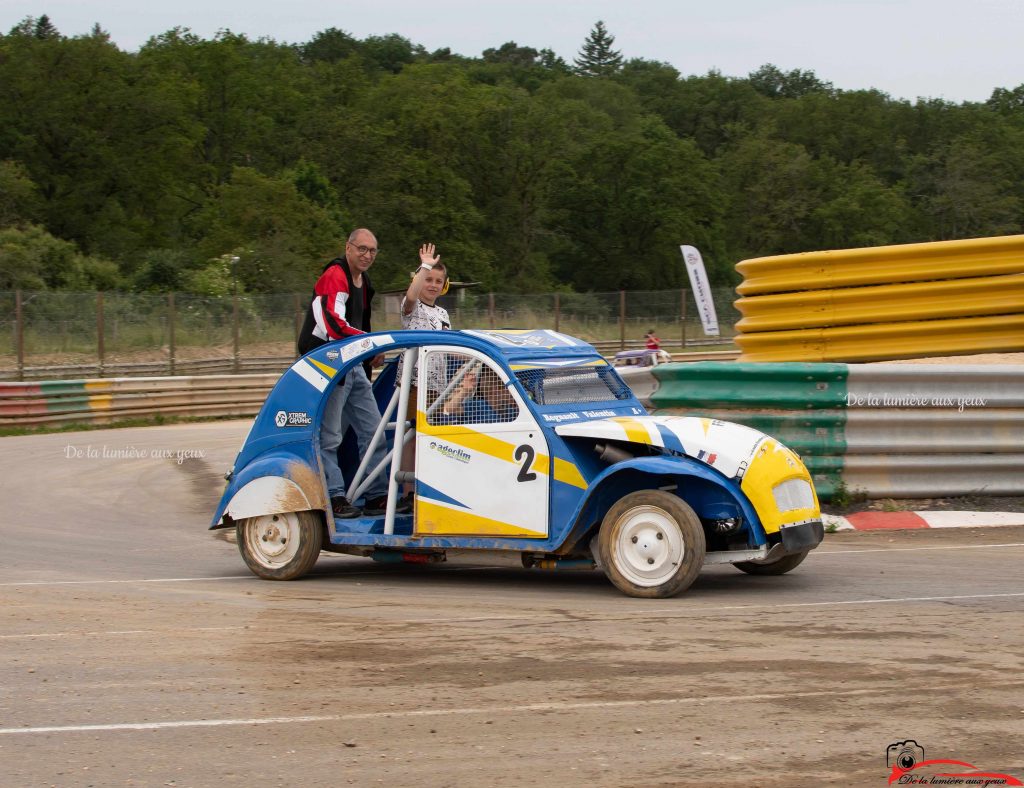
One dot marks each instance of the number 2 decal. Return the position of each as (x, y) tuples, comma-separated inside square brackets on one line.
[(525, 451)]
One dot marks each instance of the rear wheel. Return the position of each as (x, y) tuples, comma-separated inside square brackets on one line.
[(651, 544), (280, 546), (777, 567)]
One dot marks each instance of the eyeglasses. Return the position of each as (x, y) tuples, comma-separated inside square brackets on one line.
[(370, 250)]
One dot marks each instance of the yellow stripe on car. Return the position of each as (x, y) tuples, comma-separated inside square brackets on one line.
[(565, 472), (636, 431), (328, 371), (432, 518)]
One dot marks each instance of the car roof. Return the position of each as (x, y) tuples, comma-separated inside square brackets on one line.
[(534, 343)]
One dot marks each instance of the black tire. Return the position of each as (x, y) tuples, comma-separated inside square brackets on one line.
[(280, 546), (651, 544), (777, 567)]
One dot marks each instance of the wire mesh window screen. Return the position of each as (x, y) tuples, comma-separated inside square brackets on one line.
[(572, 385), (474, 393)]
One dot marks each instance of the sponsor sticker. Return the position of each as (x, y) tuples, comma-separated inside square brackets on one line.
[(557, 417), (451, 452), (293, 418)]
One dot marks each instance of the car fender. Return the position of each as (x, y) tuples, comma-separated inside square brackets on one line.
[(272, 484), (707, 493)]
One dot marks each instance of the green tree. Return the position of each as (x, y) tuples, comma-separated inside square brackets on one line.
[(104, 142), (396, 162), (44, 28), (511, 64), (32, 259), (510, 52), (597, 58), (773, 189), (280, 236), (511, 159), (626, 202), (772, 82), (968, 188), (858, 209), (712, 109), (390, 53), (19, 198), (330, 45), (1008, 101)]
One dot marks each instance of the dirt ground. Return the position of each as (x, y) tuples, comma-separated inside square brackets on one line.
[(963, 503), (980, 358), (137, 650)]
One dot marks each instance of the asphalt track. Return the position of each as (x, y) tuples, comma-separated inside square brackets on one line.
[(137, 650)]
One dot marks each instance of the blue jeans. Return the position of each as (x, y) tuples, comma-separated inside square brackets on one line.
[(351, 405)]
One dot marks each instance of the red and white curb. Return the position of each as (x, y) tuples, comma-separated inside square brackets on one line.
[(870, 521)]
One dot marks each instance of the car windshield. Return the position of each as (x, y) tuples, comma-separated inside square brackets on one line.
[(572, 385)]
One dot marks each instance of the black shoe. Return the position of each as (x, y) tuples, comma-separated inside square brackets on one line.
[(342, 509), (375, 506), (378, 506)]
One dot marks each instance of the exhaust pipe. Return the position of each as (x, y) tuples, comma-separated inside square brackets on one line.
[(612, 454)]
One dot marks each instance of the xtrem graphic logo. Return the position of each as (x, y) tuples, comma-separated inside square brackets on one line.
[(451, 452), (292, 418)]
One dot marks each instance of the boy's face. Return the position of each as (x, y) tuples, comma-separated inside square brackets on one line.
[(432, 284)]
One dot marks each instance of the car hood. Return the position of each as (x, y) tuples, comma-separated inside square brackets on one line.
[(728, 448)]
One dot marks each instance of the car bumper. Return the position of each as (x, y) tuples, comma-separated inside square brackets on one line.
[(802, 536)]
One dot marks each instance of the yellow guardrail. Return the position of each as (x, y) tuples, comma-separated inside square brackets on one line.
[(882, 265), (994, 295), (884, 302), (878, 342)]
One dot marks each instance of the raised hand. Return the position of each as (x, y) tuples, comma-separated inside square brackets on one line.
[(427, 256)]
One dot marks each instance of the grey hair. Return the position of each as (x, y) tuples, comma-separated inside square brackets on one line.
[(352, 235)]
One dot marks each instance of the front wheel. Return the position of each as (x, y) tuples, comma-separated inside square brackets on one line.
[(651, 544), (777, 567), (280, 546)]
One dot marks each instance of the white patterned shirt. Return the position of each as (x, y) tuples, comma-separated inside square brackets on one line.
[(425, 317)]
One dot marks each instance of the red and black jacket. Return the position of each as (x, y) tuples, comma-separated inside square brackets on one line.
[(327, 317)]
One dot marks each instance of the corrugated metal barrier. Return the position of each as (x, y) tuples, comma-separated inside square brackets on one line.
[(887, 430), (884, 302), (117, 399)]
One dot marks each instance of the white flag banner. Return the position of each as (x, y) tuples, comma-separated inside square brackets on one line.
[(701, 289)]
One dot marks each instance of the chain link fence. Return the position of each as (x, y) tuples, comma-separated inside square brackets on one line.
[(51, 335)]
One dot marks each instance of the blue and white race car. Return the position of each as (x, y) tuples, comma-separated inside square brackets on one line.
[(528, 445)]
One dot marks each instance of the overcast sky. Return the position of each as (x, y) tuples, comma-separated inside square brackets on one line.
[(959, 50)]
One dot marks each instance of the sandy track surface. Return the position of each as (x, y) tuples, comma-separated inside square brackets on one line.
[(137, 650)]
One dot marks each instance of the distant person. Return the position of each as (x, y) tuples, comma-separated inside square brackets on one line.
[(651, 341), (420, 312), (340, 308)]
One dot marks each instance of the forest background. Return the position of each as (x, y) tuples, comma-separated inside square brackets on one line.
[(230, 164)]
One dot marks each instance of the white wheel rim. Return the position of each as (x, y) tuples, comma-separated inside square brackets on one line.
[(649, 546), (273, 539)]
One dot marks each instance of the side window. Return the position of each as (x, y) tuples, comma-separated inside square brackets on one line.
[(462, 389)]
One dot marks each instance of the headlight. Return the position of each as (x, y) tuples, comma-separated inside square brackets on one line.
[(793, 494)]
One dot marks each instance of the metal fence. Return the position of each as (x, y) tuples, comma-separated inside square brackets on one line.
[(57, 335)]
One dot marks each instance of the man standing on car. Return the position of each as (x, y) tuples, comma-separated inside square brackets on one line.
[(340, 308)]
